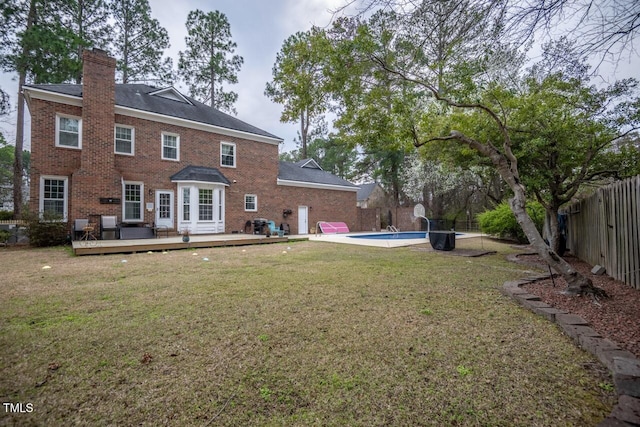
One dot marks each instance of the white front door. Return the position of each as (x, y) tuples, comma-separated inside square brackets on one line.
[(164, 208), (303, 220)]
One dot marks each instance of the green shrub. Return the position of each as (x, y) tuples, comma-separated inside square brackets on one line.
[(6, 215), (48, 230), (4, 236), (501, 221)]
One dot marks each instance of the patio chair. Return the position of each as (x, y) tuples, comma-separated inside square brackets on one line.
[(78, 227), (108, 227), (273, 229), (285, 227)]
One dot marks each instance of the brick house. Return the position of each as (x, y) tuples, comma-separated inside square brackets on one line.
[(155, 156)]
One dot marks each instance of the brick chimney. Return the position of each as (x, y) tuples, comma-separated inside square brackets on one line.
[(97, 177)]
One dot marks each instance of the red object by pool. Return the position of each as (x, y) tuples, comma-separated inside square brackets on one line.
[(333, 227)]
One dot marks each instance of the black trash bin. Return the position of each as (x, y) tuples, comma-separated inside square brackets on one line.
[(442, 240)]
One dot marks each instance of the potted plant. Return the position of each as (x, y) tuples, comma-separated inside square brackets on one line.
[(185, 235)]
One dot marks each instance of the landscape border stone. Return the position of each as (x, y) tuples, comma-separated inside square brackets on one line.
[(623, 365)]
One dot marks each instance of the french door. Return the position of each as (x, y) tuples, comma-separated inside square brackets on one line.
[(164, 208)]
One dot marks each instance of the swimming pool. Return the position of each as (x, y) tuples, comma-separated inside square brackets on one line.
[(382, 240), (392, 236)]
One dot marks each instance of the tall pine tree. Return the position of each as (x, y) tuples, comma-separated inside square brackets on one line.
[(139, 43), (42, 41), (209, 61), (88, 20)]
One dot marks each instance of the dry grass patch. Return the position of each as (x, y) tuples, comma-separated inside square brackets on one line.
[(324, 334)]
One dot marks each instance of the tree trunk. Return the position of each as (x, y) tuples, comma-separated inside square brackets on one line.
[(304, 130), (576, 283), (508, 170), (554, 229), (17, 162)]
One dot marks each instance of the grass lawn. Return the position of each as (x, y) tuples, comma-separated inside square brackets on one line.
[(304, 333)]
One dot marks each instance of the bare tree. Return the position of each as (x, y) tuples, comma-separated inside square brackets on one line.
[(606, 28)]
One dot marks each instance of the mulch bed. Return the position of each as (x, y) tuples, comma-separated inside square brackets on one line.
[(616, 317)]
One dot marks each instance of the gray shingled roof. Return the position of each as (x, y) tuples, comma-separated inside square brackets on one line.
[(296, 172), (365, 190), (137, 96), (200, 174)]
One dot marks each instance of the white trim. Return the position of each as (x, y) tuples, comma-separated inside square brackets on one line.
[(45, 95), (163, 134), (235, 154), (171, 93), (133, 140), (191, 181), (124, 201), (317, 166), (302, 184), (303, 220), (181, 203), (169, 120), (68, 116), (167, 222), (255, 202), (194, 224), (65, 208)]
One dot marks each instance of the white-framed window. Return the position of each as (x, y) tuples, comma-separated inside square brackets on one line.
[(68, 131), (228, 154), (250, 202), (220, 204), (124, 140), (205, 204), (170, 146), (186, 204), (54, 196), (133, 201)]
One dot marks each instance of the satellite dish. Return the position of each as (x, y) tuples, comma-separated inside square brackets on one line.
[(418, 211)]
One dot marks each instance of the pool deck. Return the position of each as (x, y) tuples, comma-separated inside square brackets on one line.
[(102, 247), (382, 243)]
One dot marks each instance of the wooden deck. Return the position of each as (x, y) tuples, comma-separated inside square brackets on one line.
[(101, 247)]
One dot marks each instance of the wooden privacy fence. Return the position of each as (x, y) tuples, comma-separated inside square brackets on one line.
[(604, 229)]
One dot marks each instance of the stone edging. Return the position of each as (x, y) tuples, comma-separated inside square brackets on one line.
[(623, 365)]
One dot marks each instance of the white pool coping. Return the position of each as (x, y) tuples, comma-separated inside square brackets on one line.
[(382, 243)]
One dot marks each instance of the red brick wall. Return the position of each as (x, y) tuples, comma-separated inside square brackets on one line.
[(255, 172), (324, 205), (96, 171), (96, 176), (370, 219)]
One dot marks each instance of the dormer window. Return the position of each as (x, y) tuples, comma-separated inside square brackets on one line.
[(172, 94), (309, 164)]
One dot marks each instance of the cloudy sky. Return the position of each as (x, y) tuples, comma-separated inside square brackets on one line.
[(259, 28)]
